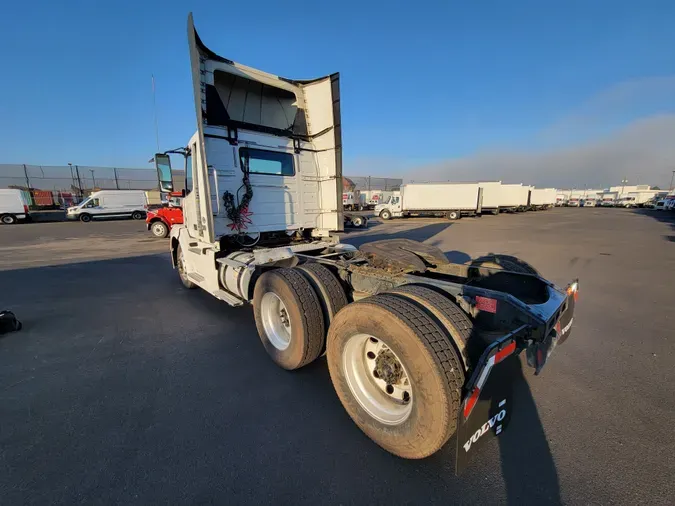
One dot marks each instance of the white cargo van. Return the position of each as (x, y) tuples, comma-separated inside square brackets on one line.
[(110, 204), (13, 207)]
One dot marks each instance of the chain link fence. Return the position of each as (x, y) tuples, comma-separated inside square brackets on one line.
[(71, 183), (364, 183)]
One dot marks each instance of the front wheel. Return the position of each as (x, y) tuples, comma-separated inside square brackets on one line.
[(8, 219), (137, 215), (396, 373), (182, 269), (85, 218), (159, 229), (385, 215)]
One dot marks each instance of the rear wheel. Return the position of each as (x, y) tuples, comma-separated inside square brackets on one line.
[(8, 219), (332, 295), (137, 215), (85, 218), (396, 373), (182, 269), (385, 215), (289, 318), (453, 215), (357, 221), (159, 229)]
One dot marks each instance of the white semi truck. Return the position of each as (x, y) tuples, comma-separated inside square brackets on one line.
[(371, 198), (414, 343), (452, 200)]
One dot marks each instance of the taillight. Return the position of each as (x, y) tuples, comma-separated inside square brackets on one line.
[(573, 289), (472, 399)]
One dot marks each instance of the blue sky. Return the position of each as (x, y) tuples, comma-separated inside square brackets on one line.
[(422, 82)]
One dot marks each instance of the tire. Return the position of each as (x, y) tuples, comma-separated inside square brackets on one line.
[(429, 366), (506, 262), (85, 218), (289, 318), (8, 219), (159, 229), (182, 272), (445, 312), (453, 215), (332, 295), (385, 215), (357, 221), (137, 215)]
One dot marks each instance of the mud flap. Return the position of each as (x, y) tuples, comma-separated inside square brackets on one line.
[(486, 410)]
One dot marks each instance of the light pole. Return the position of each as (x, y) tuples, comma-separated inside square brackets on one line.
[(671, 181), (93, 179), (624, 182), (77, 173)]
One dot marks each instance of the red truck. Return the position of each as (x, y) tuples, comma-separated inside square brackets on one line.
[(160, 219)]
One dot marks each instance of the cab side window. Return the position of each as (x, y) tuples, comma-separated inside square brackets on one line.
[(93, 203)]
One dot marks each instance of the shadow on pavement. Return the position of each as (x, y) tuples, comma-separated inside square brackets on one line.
[(416, 234), (124, 384), (662, 216)]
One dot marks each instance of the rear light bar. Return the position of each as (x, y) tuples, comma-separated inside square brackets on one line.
[(499, 352)]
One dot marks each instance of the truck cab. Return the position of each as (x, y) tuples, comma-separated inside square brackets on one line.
[(391, 208)]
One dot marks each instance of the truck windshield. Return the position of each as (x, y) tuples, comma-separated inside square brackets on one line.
[(388, 200)]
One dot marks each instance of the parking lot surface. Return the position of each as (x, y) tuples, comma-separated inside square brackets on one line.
[(126, 388)]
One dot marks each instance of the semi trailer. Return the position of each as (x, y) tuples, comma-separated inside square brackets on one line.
[(414, 343), (452, 200)]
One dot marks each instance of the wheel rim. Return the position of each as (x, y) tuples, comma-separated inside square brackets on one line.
[(377, 379), (181, 266), (158, 229), (357, 222), (7, 220), (276, 321)]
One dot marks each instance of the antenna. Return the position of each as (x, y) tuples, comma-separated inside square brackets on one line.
[(154, 110)]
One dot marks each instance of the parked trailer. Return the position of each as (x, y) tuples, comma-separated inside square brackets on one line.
[(491, 196), (543, 198), (452, 200), (413, 342), (514, 197), (608, 199)]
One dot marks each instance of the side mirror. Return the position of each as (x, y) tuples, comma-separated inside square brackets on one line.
[(163, 166)]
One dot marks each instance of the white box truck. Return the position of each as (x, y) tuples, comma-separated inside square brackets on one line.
[(13, 206), (110, 204), (451, 200), (411, 340), (371, 198), (491, 196), (543, 198), (514, 197)]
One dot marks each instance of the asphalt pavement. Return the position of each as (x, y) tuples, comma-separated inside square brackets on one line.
[(126, 388)]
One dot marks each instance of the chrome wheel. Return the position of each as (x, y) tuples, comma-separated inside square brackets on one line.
[(377, 379), (276, 321)]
